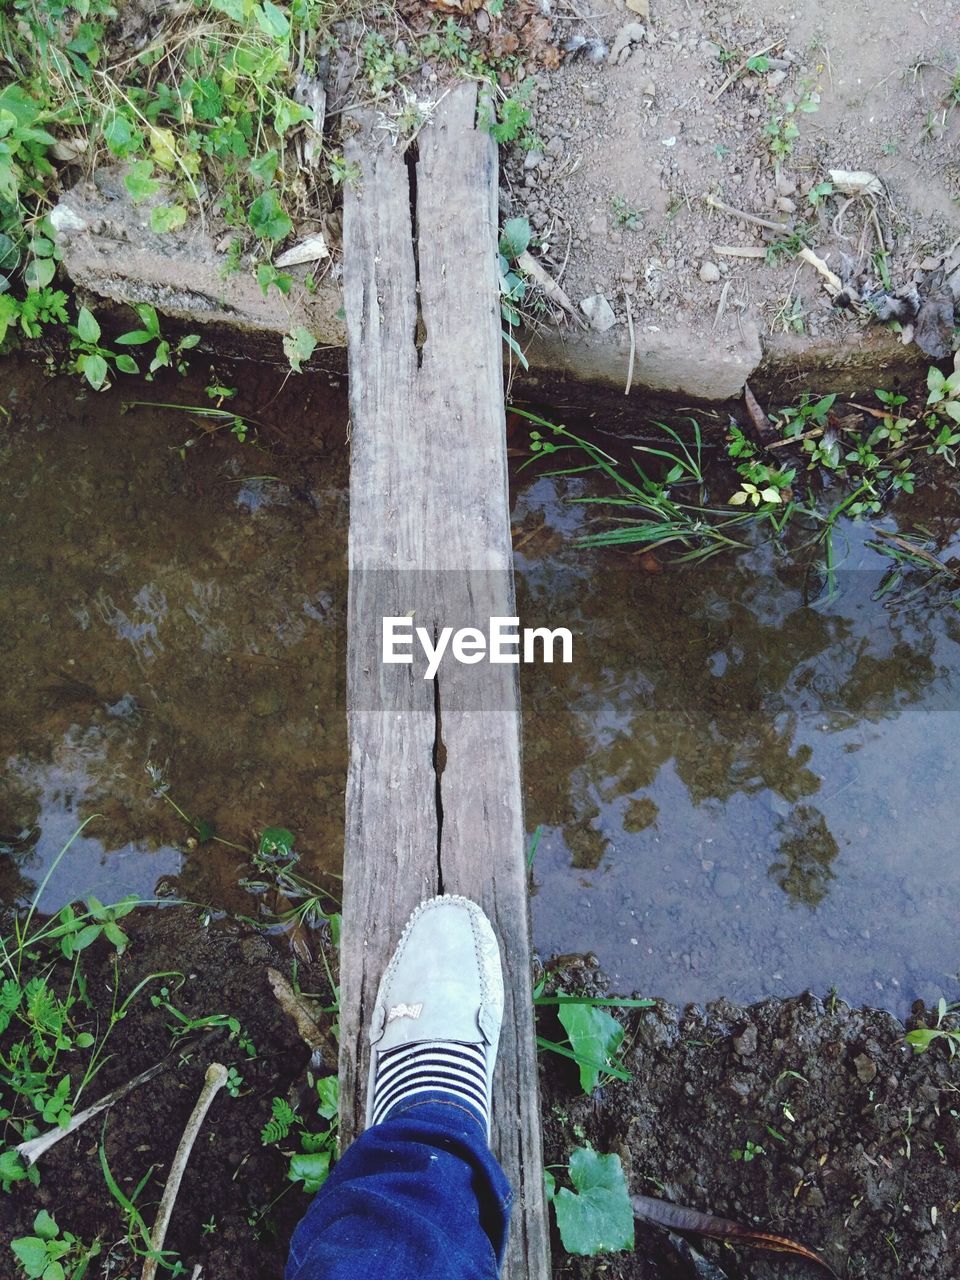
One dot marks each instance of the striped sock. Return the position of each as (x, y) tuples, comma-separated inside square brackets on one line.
[(435, 1066)]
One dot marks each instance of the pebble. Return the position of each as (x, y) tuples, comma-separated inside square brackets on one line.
[(866, 1068), (786, 205), (555, 146), (726, 884), (745, 1044), (533, 159), (709, 274), (775, 78), (786, 185), (599, 313)]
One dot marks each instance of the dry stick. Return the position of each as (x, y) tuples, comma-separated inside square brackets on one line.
[(633, 344), (713, 203), (213, 1082), (31, 1151)]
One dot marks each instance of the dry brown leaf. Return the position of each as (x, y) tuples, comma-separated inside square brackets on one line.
[(676, 1217)]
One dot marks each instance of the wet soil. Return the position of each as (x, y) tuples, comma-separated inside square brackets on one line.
[(867, 1172), (235, 1210)]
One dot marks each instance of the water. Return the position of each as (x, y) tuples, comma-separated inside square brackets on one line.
[(739, 793)]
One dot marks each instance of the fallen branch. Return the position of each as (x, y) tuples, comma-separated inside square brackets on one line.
[(31, 1151), (739, 70), (713, 203), (213, 1082), (311, 1033)]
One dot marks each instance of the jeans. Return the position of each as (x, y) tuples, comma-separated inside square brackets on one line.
[(418, 1197)]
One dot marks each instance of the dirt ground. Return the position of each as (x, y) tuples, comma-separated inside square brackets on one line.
[(630, 149), (872, 1150)]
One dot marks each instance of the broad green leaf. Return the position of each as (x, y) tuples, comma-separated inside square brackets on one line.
[(45, 1227), (515, 237), (115, 934), (134, 338), (87, 327), (598, 1216), (9, 311), (287, 113), (120, 135), (272, 20), (549, 1185), (32, 1253), (594, 1035), (167, 217), (12, 1169), (276, 840), (53, 1271), (127, 364), (328, 1094), (88, 934), (39, 273), (299, 346), (264, 168), (140, 182), (267, 219), (310, 1169), (94, 369), (921, 1039), (235, 9)]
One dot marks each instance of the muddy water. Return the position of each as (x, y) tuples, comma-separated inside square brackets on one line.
[(739, 793), (170, 626)]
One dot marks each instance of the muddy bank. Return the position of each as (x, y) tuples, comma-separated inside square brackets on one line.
[(871, 1149), (860, 1141)]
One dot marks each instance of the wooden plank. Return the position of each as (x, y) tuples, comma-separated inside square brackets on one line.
[(433, 792)]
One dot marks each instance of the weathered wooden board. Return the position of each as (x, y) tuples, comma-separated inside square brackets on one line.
[(433, 793)]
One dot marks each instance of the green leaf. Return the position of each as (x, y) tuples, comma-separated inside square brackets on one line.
[(598, 1217), (88, 934), (134, 338), (32, 1253), (127, 364), (39, 273), (549, 1185), (167, 217), (120, 136), (9, 311), (87, 327), (12, 1169), (515, 237), (115, 934), (53, 1271), (921, 1039), (276, 840), (9, 253), (94, 369), (272, 20), (594, 1035), (310, 1169), (267, 219), (264, 168), (45, 1227), (140, 182), (328, 1094), (299, 346)]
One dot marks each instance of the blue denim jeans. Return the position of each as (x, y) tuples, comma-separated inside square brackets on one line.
[(418, 1197)]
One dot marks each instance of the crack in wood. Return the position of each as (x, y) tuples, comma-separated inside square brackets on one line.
[(439, 764), (412, 158)]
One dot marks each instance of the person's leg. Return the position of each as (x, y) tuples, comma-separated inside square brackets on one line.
[(419, 1195)]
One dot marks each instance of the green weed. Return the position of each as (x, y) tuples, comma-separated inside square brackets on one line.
[(923, 1037), (311, 1153), (52, 1254)]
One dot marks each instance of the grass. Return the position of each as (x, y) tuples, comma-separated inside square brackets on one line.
[(203, 112), (822, 467)]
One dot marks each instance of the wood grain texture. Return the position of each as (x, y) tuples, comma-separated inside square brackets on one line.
[(433, 791)]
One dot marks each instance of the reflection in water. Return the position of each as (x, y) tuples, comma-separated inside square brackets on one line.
[(806, 854), (739, 794), (159, 612), (721, 753)]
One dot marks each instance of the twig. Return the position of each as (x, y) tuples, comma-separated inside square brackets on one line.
[(633, 343), (213, 1082), (714, 203), (30, 1152), (807, 435), (531, 267), (739, 251), (833, 282)]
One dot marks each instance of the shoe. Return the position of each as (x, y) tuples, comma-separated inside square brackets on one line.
[(436, 1021)]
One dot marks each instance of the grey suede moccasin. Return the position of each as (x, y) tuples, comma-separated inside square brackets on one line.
[(444, 983)]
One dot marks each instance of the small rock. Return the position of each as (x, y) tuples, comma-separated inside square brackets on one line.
[(745, 1044), (630, 34), (599, 313), (775, 78), (866, 1068), (648, 89), (533, 159), (483, 21), (709, 272), (597, 226), (555, 146), (786, 205), (726, 884)]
